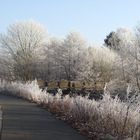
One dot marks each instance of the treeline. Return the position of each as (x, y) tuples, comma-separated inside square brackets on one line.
[(28, 52)]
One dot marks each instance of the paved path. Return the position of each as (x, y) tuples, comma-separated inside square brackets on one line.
[(22, 120)]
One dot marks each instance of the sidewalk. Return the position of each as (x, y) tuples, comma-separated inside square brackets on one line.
[(25, 121)]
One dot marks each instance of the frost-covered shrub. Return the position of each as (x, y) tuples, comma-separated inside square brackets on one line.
[(116, 88), (125, 91), (107, 116)]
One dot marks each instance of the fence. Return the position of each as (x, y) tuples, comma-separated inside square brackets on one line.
[(64, 84)]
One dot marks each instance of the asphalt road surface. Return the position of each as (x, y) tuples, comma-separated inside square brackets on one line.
[(21, 120)]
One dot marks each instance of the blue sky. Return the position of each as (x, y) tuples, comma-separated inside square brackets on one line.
[(94, 19)]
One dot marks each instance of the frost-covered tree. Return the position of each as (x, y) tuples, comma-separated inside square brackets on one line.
[(100, 64), (21, 43), (52, 62), (72, 55), (5, 66), (128, 64)]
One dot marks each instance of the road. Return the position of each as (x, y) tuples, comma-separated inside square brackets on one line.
[(22, 120)]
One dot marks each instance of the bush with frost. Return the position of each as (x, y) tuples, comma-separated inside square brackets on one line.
[(116, 88)]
